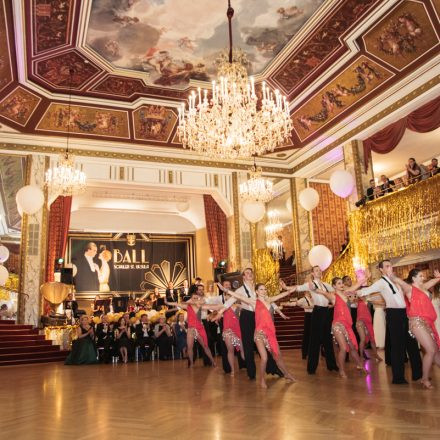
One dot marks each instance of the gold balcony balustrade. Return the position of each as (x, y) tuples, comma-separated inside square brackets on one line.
[(400, 223)]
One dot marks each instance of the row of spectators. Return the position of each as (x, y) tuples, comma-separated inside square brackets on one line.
[(414, 173)]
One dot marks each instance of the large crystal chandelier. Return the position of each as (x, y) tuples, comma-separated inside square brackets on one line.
[(65, 179), (256, 188), (273, 230), (232, 122)]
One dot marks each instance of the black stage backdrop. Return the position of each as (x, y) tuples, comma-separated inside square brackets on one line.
[(130, 262)]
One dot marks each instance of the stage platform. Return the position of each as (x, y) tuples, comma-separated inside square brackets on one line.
[(165, 400)]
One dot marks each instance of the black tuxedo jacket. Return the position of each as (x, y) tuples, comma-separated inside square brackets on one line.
[(85, 280), (172, 297)]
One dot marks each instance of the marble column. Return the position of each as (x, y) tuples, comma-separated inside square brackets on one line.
[(33, 248), (354, 163), (234, 228), (302, 227)]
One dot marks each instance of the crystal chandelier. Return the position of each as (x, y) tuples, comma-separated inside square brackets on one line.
[(232, 122), (256, 188), (64, 179), (272, 230)]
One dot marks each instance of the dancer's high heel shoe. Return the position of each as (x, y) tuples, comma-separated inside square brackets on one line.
[(426, 384)]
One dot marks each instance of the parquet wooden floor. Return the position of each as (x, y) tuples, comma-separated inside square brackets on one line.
[(165, 400)]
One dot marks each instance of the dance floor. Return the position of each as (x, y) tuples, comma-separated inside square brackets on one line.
[(165, 400)]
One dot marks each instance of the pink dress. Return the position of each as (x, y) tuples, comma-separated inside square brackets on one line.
[(421, 313), (231, 328), (265, 329), (195, 324), (342, 322), (364, 315)]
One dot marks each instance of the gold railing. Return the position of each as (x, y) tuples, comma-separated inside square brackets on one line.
[(400, 223)]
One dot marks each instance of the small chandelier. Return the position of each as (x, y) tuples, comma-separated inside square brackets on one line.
[(64, 179), (256, 188), (272, 230), (233, 123)]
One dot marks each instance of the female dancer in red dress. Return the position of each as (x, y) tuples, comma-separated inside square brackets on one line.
[(196, 331), (422, 316), (264, 336), (342, 326), (364, 327)]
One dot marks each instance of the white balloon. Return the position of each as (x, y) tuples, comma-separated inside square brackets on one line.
[(341, 183), (30, 198), (308, 198), (289, 204), (20, 209), (4, 253), (182, 206), (4, 275), (253, 211), (321, 256)]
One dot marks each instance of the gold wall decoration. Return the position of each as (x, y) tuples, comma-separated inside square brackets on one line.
[(266, 270)]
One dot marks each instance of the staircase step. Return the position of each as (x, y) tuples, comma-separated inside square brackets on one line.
[(6, 321), (17, 332), (15, 327), (29, 349), (18, 338), (59, 358), (25, 343), (29, 355)]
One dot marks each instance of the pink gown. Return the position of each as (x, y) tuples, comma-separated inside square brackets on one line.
[(421, 313), (196, 324), (342, 317), (231, 328), (364, 315), (265, 329)]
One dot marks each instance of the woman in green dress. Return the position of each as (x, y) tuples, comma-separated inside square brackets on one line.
[(83, 348)]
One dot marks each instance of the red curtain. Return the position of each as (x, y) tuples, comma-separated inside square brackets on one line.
[(59, 221), (422, 120), (216, 226)]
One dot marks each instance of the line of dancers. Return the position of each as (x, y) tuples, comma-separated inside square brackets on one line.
[(410, 318)]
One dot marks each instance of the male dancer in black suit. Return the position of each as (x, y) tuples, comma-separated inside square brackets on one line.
[(86, 278)]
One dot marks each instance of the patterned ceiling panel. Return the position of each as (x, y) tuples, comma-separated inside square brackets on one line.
[(393, 45)]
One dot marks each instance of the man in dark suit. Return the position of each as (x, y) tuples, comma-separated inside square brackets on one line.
[(193, 287), (145, 338), (86, 278), (172, 294), (370, 191)]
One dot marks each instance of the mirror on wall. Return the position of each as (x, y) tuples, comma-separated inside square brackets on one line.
[(12, 178)]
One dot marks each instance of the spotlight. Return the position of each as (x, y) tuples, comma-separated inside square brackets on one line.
[(59, 261), (222, 263)]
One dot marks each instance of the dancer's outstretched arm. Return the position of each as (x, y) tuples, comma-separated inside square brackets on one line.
[(282, 295)]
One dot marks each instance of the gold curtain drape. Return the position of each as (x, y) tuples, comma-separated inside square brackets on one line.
[(400, 223), (266, 270)]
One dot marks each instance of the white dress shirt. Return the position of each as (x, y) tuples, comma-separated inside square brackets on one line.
[(215, 300), (318, 299), (242, 292), (91, 263), (306, 304), (392, 300)]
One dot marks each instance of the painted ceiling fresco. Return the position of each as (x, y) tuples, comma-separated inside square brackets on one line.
[(175, 41)]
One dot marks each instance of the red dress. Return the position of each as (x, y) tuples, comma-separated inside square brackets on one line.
[(421, 312), (231, 328), (342, 316), (265, 328), (196, 324), (364, 315)]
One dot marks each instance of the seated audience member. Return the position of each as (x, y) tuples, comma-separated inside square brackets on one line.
[(386, 186), (4, 312), (145, 338), (123, 338), (413, 171), (83, 348), (371, 193), (164, 339), (180, 329), (105, 338), (433, 167)]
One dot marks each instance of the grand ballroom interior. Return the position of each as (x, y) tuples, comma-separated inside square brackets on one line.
[(217, 219)]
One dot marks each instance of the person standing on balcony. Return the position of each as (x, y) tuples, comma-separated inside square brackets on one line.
[(397, 324), (413, 171)]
